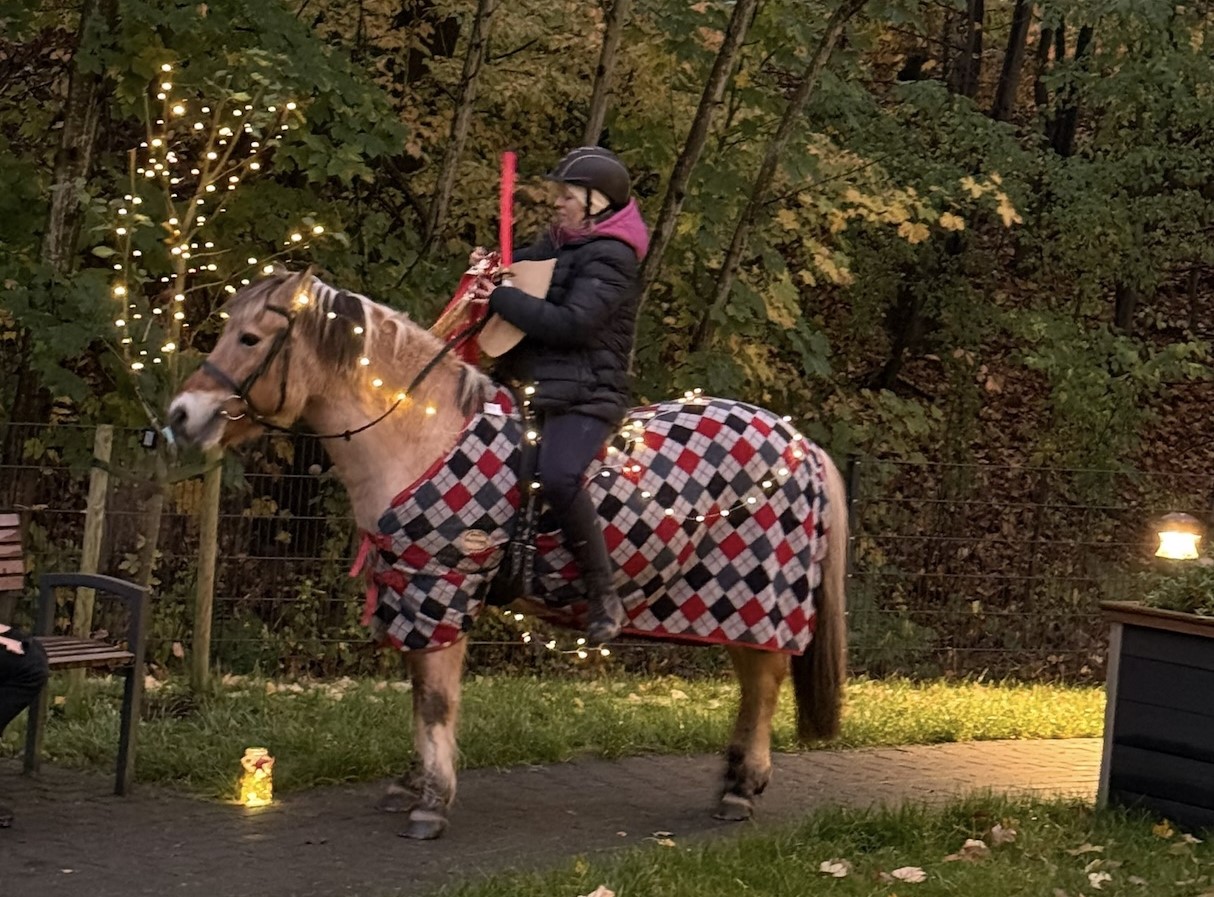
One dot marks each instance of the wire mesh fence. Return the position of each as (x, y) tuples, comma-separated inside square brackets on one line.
[(955, 568)]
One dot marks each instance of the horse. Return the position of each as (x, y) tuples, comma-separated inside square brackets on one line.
[(389, 400)]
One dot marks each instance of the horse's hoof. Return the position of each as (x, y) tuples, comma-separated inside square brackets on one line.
[(734, 808), (397, 799), (425, 826)]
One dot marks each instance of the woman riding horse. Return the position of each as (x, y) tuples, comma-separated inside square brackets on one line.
[(576, 351)]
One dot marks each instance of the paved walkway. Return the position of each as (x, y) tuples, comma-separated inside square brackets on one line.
[(72, 838)]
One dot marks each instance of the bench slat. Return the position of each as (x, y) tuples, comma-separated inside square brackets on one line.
[(10, 583), (65, 652)]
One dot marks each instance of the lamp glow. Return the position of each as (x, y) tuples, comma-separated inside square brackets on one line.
[(1179, 535), (257, 782)]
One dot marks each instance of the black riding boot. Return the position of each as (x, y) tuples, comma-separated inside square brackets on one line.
[(606, 611)]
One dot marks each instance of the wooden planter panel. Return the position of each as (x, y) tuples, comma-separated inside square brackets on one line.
[(1159, 725)]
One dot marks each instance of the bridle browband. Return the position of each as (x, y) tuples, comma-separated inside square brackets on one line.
[(281, 344)]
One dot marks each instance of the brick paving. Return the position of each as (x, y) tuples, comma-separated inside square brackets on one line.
[(72, 838)]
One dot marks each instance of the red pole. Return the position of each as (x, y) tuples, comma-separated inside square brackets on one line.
[(505, 236)]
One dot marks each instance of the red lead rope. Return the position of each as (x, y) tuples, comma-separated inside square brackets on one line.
[(505, 233)]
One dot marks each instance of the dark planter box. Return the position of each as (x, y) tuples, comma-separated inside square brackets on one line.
[(1159, 722)]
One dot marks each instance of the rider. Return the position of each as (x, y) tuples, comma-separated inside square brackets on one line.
[(577, 349), (23, 673)]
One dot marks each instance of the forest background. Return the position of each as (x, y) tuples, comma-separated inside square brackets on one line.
[(966, 244)]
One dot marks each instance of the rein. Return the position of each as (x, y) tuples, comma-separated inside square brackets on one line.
[(281, 345)]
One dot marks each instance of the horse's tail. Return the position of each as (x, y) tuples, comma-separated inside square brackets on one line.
[(818, 674)]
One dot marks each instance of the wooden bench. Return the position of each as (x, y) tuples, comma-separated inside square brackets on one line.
[(65, 652)]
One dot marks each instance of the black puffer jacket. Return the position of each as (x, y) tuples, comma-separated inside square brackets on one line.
[(578, 342)]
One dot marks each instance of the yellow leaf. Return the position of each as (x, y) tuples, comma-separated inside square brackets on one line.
[(949, 221), (807, 277), (837, 221), (896, 213), (976, 190), (1163, 829), (742, 79), (915, 232), (1008, 212), (787, 219)]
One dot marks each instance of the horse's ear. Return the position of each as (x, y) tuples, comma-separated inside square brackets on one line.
[(299, 282)]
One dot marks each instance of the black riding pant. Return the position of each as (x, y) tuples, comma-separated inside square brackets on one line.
[(568, 444)]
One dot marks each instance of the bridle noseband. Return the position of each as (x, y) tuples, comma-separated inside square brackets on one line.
[(281, 344)]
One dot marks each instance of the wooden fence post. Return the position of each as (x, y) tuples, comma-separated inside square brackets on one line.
[(94, 530), (208, 553)]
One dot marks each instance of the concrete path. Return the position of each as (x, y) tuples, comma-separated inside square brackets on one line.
[(72, 838)]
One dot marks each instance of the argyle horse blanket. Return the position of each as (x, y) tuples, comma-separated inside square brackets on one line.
[(713, 511)]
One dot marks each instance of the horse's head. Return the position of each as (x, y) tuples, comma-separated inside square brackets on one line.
[(267, 363)]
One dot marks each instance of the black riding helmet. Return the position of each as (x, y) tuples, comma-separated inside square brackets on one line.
[(595, 168)]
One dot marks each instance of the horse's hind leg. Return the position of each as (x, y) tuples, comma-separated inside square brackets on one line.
[(748, 757), (430, 789)]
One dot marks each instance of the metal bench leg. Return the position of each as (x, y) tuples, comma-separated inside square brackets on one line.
[(34, 726), (132, 698)]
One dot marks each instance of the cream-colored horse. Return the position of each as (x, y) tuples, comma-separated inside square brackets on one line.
[(297, 352)]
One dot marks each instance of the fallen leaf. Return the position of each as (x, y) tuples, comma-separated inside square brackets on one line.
[(665, 842), (1000, 835), (1058, 892), (909, 874), (1085, 848), (971, 851), (835, 868), (677, 695), (178, 649), (1162, 829), (1135, 880), (600, 891), (1189, 839), (1096, 879)]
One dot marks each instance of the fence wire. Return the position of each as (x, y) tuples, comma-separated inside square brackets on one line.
[(954, 568)]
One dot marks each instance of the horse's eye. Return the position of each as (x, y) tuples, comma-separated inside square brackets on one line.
[(249, 339)]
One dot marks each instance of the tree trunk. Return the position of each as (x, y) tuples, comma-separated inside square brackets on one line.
[(461, 123), (793, 114), (1041, 96), (74, 158), (1125, 304), (1191, 295), (86, 97), (1013, 61), (969, 67), (617, 17), (693, 146), (1067, 120)]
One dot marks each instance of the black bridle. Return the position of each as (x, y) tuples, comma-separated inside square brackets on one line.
[(281, 345)]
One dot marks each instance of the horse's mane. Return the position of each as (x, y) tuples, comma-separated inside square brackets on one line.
[(343, 327)]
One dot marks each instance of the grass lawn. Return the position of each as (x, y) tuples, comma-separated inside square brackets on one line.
[(1039, 849), (356, 730)]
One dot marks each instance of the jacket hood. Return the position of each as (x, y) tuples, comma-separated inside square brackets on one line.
[(626, 225)]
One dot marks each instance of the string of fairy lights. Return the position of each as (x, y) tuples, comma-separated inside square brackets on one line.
[(194, 157)]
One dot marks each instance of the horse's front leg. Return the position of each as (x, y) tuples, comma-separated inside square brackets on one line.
[(748, 757), (436, 694)]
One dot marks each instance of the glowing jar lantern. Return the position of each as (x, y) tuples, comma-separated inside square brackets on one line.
[(257, 782), (1178, 537)]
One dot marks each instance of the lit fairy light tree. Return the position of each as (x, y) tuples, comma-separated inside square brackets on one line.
[(174, 261), (171, 267)]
